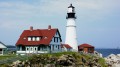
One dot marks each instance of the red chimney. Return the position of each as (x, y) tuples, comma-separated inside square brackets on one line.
[(31, 28), (49, 27)]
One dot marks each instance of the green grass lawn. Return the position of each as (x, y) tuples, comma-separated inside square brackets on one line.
[(8, 59), (6, 56)]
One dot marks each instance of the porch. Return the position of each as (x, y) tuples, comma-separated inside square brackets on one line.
[(33, 49)]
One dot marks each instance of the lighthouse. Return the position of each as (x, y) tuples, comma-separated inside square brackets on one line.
[(71, 37)]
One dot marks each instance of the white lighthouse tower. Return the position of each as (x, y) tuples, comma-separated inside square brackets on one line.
[(71, 38)]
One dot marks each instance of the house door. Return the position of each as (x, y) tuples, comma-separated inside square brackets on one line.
[(35, 49), (27, 50), (31, 49)]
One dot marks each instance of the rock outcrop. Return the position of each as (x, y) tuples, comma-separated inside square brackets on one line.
[(60, 60), (113, 60)]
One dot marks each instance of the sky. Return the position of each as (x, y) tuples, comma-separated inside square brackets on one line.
[(98, 21)]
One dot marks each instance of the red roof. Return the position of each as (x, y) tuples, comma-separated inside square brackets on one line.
[(45, 34), (66, 45), (85, 45)]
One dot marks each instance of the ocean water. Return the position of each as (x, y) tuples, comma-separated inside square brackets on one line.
[(106, 52)]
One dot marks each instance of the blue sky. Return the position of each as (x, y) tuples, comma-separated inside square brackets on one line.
[(98, 21)]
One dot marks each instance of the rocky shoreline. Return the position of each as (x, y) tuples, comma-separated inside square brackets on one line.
[(113, 60)]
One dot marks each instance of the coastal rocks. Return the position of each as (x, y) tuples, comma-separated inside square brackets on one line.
[(57, 60), (63, 60), (19, 63), (66, 60), (97, 54), (113, 60)]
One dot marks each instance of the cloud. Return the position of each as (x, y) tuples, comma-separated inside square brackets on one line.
[(92, 16), (20, 11)]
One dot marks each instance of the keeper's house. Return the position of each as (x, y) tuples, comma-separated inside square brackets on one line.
[(39, 41), (2, 48)]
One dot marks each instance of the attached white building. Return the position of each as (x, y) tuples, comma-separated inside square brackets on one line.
[(66, 47), (2, 48), (39, 41)]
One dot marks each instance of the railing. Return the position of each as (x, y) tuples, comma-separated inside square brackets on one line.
[(23, 52), (42, 52)]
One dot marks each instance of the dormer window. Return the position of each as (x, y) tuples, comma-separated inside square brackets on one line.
[(29, 38), (37, 38), (33, 38)]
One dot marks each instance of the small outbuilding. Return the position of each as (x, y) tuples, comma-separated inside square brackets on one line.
[(2, 48), (66, 47), (86, 48)]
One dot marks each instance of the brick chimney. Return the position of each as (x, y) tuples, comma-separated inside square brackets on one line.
[(49, 27), (31, 28)]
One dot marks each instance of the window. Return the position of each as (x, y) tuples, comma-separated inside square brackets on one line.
[(27, 48), (35, 49), (58, 46), (37, 38), (23, 48), (56, 33), (57, 39), (70, 10), (33, 39), (54, 39), (31, 48), (29, 38), (52, 47)]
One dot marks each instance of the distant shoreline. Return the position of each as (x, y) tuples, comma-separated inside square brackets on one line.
[(106, 52)]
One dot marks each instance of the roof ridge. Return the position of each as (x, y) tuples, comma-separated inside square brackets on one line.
[(3, 44)]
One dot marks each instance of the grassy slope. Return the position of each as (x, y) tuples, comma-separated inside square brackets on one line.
[(76, 55), (46, 57), (6, 56)]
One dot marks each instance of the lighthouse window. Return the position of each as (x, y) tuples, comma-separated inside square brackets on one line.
[(70, 10)]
